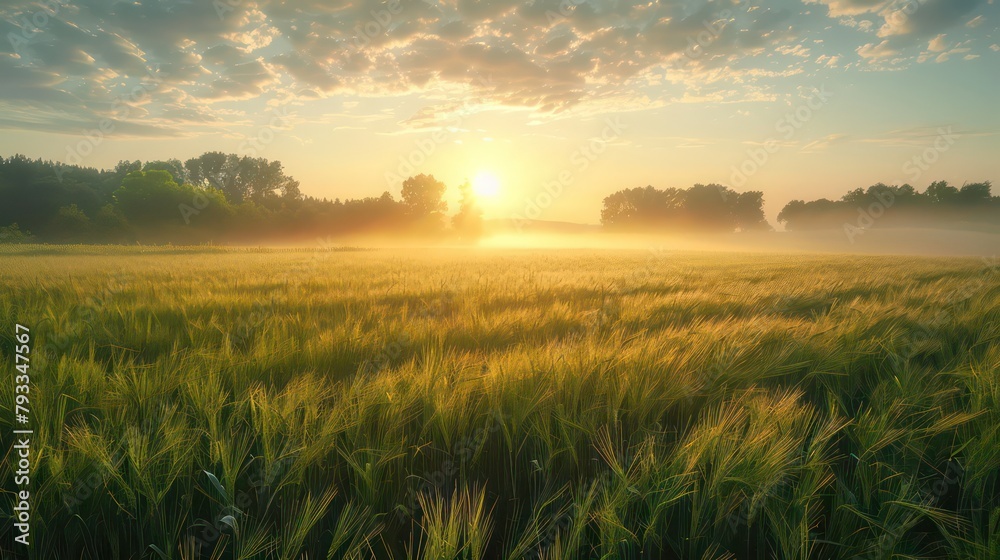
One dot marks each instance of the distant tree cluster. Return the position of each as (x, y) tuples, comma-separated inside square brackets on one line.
[(215, 197), (880, 205), (700, 208)]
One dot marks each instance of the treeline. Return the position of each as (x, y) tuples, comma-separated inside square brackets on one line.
[(215, 197), (706, 208), (881, 206), (228, 198)]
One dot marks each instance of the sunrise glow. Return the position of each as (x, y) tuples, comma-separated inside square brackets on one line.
[(486, 185)]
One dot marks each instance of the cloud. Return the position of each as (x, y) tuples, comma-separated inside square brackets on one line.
[(873, 51), (827, 60), (975, 22), (551, 57), (905, 17), (903, 24), (548, 55), (851, 7), (939, 50), (921, 136), (937, 44), (821, 144), (922, 18)]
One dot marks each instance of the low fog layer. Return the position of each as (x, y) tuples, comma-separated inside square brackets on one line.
[(928, 242)]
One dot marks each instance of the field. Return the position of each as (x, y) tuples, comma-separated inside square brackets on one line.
[(277, 404)]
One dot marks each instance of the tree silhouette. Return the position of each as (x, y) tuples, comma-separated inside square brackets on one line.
[(423, 198), (881, 205), (942, 193), (701, 208), (468, 222)]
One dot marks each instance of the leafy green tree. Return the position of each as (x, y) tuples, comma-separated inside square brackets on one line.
[(151, 197), (109, 225), (12, 234), (242, 178), (69, 224), (211, 169), (172, 166)]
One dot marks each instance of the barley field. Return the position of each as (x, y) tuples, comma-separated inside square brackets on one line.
[(208, 403)]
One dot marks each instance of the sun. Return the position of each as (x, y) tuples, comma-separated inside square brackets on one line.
[(486, 185)]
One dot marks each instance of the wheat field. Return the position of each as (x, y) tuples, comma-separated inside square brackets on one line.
[(209, 403)]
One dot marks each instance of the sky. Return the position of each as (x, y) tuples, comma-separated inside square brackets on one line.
[(551, 104)]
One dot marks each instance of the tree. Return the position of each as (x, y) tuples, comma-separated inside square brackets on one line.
[(153, 199), (749, 212), (125, 167), (701, 207), (423, 198), (173, 166), (242, 178), (109, 225), (791, 212), (709, 207), (468, 222), (267, 181), (975, 193), (150, 197), (884, 205), (209, 169), (641, 208), (941, 192), (69, 224), (857, 196), (12, 234)]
